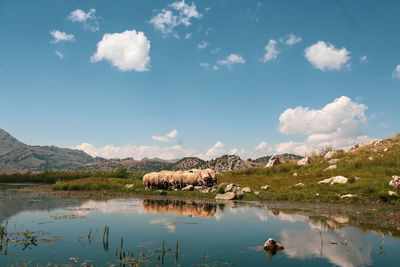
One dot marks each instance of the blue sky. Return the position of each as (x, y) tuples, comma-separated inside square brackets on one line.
[(114, 79)]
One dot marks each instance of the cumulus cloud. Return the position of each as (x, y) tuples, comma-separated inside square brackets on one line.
[(337, 124), (324, 56), (231, 59), (262, 146), (136, 152), (166, 138), (88, 20), (176, 14), (396, 72), (61, 36), (271, 51), (217, 150), (290, 39), (128, 50), (202, 45), (204, 65)]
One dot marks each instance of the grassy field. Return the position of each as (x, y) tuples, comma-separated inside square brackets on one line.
[(372, 187)]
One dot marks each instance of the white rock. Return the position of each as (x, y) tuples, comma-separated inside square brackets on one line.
[(395, 182), (371, 158), (256, 193), (299, 185), (333, 161), (246, 190), (329, 155), (386, 149), (188, 188), (295, 174), (265, 187), (334, 180), (357, 178), (129, 185), (332, 167), (274, 160), (205, 191), (303, 162), (198, 187), (229, 187), (317, 194), (226, 196), (213, 190), (392, 193), (378, 143), (348, 195)]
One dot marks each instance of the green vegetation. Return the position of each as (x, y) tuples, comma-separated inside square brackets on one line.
[(51, 177)]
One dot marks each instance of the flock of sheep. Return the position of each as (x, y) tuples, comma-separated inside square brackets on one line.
[(179, 179)]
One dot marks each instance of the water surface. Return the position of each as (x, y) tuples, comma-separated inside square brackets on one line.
[(208, 234)]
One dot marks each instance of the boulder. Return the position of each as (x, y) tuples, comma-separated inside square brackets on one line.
[(129, 186), (256, 193), (226, 196), (370, 158), (333, 161), (334, 180), (395, 182), (392, 193), (385, 150), (329, 155), (348, 196), (188, 188), (272, 246), (246, 190), (299, 185), (378, 143), (265, 187), (205, 191), (303, 162), (229, 187), (332, 167), (295, 174), (274, 160)]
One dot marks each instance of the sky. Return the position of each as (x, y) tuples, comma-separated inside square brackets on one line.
[(168, 79)]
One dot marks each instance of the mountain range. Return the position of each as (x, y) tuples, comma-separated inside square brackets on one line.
[(16, 156)]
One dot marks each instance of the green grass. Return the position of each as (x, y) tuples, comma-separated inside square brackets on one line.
[(52, 176)]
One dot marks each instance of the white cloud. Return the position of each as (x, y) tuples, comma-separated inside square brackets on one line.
[(271, 51), (231, 59), (88, 20), (324, 56), (176, 14), (188, 36), (396, 72), (216, 50), (364, 59), (215, 67), (204, 65), (337, 124), (167, 138), (61, 36), (290, 39), (262, 146), (136, 152), (202, 45), (127, 51), (233, 151), (217, 150), (59, 54)]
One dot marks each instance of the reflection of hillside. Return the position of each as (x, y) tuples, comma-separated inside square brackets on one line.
[(13, 202), (179, 207)]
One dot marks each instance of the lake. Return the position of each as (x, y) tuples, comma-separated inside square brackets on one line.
[(45, 229)]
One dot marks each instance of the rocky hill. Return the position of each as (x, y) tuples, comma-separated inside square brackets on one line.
[(19, 157), (188, 163), (9, 143), (282, 158)]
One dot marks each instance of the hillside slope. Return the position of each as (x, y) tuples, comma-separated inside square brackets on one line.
[(9, 143)]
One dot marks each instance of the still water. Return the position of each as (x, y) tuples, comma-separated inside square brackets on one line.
[(70, 232)]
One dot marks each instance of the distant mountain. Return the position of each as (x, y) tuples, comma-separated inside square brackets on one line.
[(18, 157), (221, 164), (9, 143)]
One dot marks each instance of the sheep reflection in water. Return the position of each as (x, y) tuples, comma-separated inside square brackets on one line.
[(180, 207)]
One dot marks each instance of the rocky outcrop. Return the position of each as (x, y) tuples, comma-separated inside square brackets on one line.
[(334, 180), (274, 160), (329, 155), (332, 167), (303, 162), (395, 182)]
